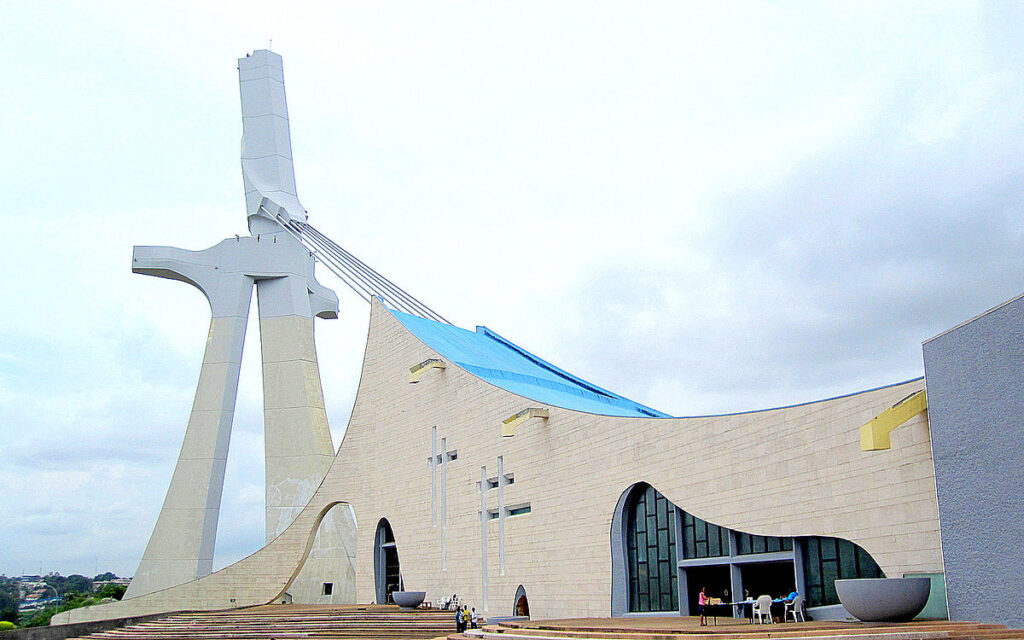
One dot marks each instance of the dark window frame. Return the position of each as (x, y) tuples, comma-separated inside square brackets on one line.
[(651, 552), (824, 564)]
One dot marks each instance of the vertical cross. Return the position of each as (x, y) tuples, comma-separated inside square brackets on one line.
[(484, 517), (433, 477), (502, 481), (444, 505)]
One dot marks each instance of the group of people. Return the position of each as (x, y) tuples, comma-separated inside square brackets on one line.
[(703, 601), (465, 618)]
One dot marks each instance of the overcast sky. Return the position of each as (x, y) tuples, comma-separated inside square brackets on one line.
[(706, 209)]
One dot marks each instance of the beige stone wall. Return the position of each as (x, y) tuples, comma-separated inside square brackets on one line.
[(298, 454), (783, 472), (298, 439)]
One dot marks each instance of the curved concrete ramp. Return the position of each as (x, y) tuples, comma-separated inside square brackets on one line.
[(257, 579)]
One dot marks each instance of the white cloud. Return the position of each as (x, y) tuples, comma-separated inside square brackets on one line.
[(705, 208)]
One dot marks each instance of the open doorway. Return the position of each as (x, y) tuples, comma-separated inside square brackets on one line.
[(775, 579), (521, 607), (715, 579), (387, 571)]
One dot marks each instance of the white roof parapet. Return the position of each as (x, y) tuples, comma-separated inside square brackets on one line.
[(267, 169)]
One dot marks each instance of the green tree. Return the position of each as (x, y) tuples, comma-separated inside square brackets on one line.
[(39, 618), (77, 583), (56, 581), (9, 598), (105, 577), (42, 618), (115, 591)]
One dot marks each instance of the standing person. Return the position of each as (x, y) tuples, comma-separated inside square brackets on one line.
[(473, 618), (465, 617), (702, 603), (459, 625)]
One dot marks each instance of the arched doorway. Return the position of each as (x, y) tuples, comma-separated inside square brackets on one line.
[(387, 572), (522, 605)]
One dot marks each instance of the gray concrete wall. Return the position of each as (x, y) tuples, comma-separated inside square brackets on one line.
[(975, 379)]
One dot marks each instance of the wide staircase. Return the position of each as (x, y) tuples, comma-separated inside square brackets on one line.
[(686, 629), (281, 622), (292, 621)]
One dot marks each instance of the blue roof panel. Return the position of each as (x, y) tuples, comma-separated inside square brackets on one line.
[(490, 357)]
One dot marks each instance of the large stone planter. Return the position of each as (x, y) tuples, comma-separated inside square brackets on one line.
[(884, 599), (408, 599)]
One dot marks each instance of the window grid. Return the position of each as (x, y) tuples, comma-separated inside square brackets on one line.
[(747, 543), (702, 539), (829, 559), (651, 551)]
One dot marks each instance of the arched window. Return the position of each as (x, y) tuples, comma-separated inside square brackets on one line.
[(651, 551), (650, 573)]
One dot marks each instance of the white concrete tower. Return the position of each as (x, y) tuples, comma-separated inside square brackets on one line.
[(298, 440)]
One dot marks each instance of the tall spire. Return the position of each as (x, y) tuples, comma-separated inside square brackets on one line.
[(267, 169), (298, 439)]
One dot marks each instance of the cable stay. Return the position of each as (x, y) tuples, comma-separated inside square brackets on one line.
[(363, 279)]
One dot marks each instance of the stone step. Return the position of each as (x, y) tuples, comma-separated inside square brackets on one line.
[(281, 632), (733, 632), (810, 631), (688, 635), (287, 622), (366, 622)]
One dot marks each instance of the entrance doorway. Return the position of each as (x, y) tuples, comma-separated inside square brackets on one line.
[(387, 571), (715, 579), (775, 579), (522, 605)]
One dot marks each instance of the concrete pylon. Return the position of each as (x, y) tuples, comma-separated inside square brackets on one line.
[(298, 440), (299, 450), (182, 543), (297, 436)]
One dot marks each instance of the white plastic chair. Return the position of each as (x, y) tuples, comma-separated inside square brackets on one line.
[(763, 609), (795, 608)]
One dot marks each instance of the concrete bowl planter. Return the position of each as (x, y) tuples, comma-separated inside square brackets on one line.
[(408, 599), (884, 599)]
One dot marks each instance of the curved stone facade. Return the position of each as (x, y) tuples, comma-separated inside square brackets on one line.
[(794, 471), (783, 472)]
